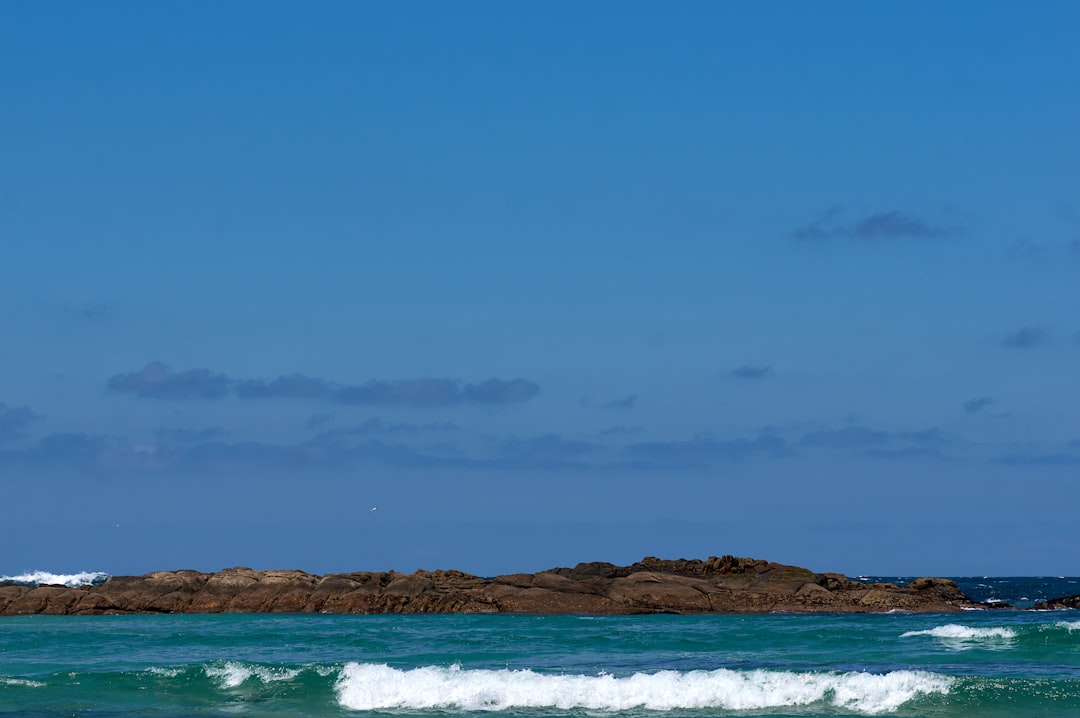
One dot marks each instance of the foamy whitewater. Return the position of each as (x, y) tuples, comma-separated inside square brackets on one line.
[(42, 578), (375, 687), (990, 663)]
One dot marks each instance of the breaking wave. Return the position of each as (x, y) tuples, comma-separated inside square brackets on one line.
[(231, 674), (366, 686), (956, 632), (26, 683), (39, 578)]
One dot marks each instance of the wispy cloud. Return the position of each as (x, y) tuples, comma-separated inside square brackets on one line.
[(157, 381), (1024, 338), (189, 436), (624, 404), (751, 371), (547, 449), (377, 426), (15, 420), (889, 225), (407, 392), (974, 406), (707, 450), (851, 437), (293, 386), (878, 444), (1046, 460), (620, 430), (499, 391), (437, 392)]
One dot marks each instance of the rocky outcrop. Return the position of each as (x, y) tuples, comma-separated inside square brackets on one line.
[(1055, 604), (717, 585)]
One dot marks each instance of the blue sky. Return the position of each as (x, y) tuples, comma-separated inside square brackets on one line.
[(544, 283)]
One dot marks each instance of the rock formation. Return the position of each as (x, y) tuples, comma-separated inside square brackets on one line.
[(1055, 604), (717, 585)]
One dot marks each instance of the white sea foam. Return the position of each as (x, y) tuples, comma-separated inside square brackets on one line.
[(232, 674), (956, 632), (1069, 625), (379, 687), (24, 682), (37, 578)]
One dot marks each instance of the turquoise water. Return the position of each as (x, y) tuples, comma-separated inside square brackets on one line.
[(983, 663)]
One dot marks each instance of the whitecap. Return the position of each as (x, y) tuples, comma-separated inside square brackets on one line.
[(232, 674), (961, 635), (74, 580), (1069, 625), (24, 682), (380, 687)]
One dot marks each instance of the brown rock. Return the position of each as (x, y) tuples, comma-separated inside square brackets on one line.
[(1055, 604), (716, 585)]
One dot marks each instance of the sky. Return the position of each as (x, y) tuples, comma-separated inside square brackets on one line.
[(506, 286)]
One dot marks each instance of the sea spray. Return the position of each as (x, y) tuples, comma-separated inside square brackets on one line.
[(42, 578)]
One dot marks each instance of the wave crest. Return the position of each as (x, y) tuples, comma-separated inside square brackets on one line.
[(232, 674), (958, 632), (378, 686), (72, 580), (24, 682)]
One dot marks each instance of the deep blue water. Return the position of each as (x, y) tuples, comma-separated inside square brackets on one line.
[(979, 663)]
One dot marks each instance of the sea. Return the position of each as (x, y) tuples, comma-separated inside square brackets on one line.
[(975, 663)]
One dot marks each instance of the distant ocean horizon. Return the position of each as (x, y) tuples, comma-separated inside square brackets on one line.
[(975, 663)]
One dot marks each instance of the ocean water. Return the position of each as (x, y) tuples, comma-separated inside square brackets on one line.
[(975, 663)]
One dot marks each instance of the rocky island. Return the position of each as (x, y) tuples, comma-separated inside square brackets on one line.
[(716, 585)]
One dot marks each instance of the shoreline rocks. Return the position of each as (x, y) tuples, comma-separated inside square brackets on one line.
[(723, 584)]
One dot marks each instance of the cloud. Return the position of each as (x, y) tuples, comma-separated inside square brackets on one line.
[(908, 452), (292, 386), (157, 381), (14, 420), (934, 436), (880, 225), (749, 371), (876, 444), (543, 450), (66, 449), (1046, 460), (409, 392), (620, 430), (624, 404), (1024, 338), (377, 426), (851, 437), (189, 436), (707, 450), (974, 406), (317, 421), (498, 391), (92, 312), (437, 392)]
